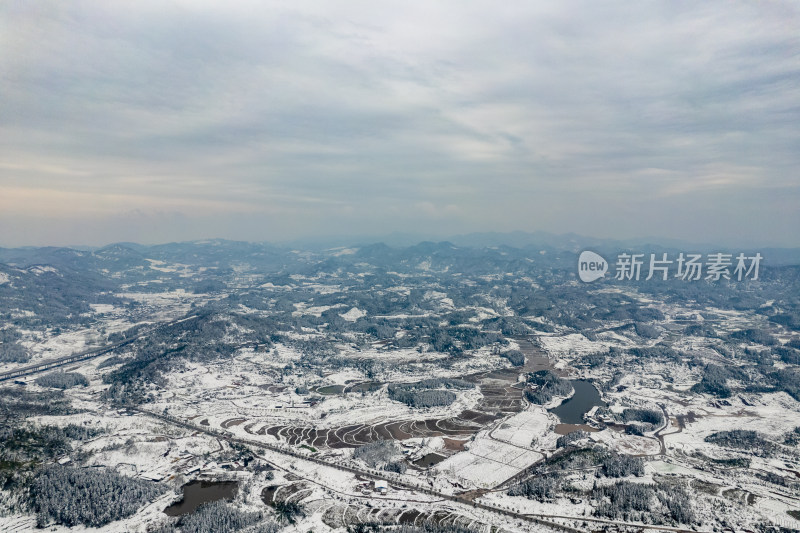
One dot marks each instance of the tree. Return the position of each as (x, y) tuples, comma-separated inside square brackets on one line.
[(86, 496)]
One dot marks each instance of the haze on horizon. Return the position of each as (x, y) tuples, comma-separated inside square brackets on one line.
[(164, 121)]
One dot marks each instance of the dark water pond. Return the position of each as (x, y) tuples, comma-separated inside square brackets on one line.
[(268, 494), (571, 410), (429, 460), (196, 493)]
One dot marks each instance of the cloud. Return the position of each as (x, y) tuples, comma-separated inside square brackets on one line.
[(351, 116)]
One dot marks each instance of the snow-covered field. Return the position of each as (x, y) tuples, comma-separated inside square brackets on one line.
[(525, 428), (487, 462)]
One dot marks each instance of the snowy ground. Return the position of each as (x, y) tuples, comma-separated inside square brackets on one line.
[(487, 462), (255, 390), (525, 428)]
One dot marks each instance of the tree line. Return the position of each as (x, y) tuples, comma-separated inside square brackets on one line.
[(62, 380), (428, 392)]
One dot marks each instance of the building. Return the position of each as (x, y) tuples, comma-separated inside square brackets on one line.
[(381, 486)]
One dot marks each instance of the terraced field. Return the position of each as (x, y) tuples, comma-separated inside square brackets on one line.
[(339, 515), (499, 401), (502, 396)]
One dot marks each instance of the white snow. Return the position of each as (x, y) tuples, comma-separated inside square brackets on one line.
[(522, 428), (353, 314), (487, 462)]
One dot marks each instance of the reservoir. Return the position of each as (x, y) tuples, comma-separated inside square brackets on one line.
[(571, 410), (196, 493)]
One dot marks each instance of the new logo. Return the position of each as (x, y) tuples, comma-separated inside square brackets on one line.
[(591, 266)]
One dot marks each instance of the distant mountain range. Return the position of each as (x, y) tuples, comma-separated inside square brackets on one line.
[(392, 247)]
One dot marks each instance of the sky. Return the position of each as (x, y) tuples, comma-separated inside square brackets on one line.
[(271, 121)]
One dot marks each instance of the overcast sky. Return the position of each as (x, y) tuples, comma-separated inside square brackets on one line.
[(161, 121)]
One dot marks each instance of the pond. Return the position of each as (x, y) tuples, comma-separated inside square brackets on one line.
[(331, 390), (571, 410), (196, 493), (429, 460)]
